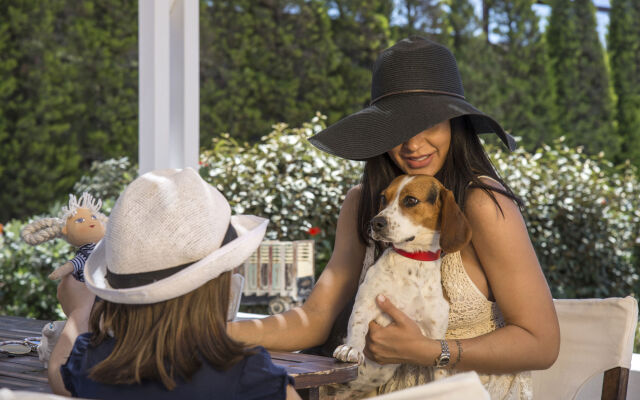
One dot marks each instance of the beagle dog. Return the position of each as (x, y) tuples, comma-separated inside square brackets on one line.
[(419, 218)]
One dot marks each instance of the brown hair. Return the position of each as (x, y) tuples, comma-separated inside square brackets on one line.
[(163, 340), (464, 163)]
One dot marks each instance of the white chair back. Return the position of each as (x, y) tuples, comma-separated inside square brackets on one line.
[(596, 335), (464, 386)]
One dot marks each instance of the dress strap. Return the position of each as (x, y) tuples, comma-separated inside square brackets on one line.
[(488, 177)]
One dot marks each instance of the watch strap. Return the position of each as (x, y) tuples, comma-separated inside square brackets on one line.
[(445, 355)]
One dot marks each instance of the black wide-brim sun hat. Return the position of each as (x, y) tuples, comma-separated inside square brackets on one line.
[(415, 85)]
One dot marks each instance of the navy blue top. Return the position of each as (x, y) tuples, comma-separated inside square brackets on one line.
[(254, 377), (80, 259)]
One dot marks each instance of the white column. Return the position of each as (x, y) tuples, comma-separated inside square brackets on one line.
[(169, 86)]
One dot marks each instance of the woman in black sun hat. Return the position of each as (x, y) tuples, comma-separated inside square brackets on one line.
[(502, 321)]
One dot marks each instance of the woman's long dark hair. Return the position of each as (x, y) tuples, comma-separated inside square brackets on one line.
[(464, 163)]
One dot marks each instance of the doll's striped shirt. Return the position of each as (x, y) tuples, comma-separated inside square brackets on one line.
[(78, 261)]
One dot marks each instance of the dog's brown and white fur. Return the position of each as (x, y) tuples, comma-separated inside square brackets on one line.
[(417, 214)]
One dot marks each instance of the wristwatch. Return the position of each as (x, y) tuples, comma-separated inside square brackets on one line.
[(443, 359)]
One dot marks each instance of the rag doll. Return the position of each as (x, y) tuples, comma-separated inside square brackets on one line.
[(81, 224)]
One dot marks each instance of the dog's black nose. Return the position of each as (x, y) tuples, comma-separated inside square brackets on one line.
[(378, 223)]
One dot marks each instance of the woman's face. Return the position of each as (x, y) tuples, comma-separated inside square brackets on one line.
[(425, 152)]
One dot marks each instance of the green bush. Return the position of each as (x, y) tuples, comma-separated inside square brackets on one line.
[(285, 179), (24, 287), (583, 216), (107, 179), (583, 213)]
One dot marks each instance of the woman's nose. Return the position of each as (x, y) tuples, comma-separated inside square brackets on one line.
[(412, 144)]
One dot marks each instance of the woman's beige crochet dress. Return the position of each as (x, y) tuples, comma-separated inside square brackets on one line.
[(470, 315)]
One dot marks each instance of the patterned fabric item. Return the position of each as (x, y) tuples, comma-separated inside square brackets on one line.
[(78, 261)]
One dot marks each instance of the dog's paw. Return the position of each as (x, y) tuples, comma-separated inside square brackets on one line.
[(348, 354)]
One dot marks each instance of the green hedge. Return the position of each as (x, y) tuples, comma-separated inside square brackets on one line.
[(24, 287), (582, 212), (583, 216)]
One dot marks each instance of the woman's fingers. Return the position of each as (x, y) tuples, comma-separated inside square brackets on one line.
[(387, 307)]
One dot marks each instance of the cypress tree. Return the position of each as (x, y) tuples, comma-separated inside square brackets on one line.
[(360, 30), (478, 61), (581, 79), (39, 160), (527, 104), (265, 62), (102, 43), (624, 55), (422, 17)]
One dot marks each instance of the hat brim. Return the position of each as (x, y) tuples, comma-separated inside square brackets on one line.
[(250, 230), (394, 120)]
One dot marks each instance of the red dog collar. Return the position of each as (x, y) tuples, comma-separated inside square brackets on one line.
[(419, 255)]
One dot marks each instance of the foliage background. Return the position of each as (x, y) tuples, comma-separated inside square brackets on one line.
[(69, 73), (68, 118), (582, 212)]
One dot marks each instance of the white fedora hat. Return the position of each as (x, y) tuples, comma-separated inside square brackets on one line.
[(169, 233)]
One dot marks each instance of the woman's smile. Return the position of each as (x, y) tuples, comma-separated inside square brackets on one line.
[(417, 162), (425, 152)]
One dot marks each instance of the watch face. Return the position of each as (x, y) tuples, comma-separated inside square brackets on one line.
[(444, 360)]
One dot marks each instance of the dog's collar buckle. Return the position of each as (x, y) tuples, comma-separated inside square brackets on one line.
[(419, 255)]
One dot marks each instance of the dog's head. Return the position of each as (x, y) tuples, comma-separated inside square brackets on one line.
[(418, 213)]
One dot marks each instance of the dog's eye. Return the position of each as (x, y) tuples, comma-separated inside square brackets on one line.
[(410, 201), (383, 200)]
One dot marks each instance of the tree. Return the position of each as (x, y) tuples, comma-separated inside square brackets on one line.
[(422, 17), (478, 61), (527, 102), (101, 44), (581, 79), (361, 31), (266, 61), (624, 56), (39, 161)]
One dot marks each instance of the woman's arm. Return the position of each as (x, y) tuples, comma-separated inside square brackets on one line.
[(76, 301), (309, 325), (531, 338)]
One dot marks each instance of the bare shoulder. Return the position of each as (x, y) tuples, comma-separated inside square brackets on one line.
[(351, 202), (479, 206), (354, 192)]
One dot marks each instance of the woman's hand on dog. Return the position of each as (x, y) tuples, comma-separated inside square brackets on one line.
[(401, 341)]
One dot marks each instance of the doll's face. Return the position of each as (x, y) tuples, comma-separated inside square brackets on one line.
[(83, 228)]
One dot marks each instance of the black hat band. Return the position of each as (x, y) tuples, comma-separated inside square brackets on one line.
[(416, 91), (126, 281)]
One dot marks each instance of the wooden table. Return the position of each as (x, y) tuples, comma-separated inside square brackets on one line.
[(26, 372)]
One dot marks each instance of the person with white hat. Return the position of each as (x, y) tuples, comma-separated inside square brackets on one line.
[(162, 275)]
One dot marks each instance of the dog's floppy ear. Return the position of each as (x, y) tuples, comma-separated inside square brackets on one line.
[(455, 231)]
